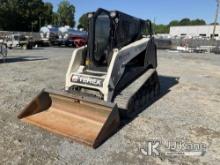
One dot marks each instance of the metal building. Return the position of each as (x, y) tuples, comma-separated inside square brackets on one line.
[(195, 31)]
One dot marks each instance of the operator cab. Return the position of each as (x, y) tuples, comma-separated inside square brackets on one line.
[(109, 30)]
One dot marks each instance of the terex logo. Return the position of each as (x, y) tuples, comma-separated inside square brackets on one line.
[(87, 80)]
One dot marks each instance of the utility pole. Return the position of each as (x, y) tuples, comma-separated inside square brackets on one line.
[(216, 18)]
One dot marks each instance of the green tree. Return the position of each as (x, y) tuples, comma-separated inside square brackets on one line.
[(55, 19), (47, 14), (30, 12), (66, 12), (185, 21), (83, 22), (9, 14), (24, 15), (161, 28), (198, 22), (174, 23)]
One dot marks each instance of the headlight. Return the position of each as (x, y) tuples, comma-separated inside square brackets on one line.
[(90, 15), (113, 14)]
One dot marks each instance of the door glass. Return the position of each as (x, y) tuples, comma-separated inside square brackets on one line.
[(102, 35)]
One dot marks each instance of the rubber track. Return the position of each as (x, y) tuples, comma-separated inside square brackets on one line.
[(138, 94)]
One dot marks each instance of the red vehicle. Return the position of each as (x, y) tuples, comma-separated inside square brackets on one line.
[(77, 41), (71, 37)]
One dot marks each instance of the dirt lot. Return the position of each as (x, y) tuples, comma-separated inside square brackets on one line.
[(187, 111)]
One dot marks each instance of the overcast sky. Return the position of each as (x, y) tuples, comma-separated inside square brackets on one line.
[(162, 11)]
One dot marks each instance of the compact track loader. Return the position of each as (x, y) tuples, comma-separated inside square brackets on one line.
[(112, 78)]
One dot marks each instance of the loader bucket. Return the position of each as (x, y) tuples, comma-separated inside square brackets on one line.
[(83, 119)]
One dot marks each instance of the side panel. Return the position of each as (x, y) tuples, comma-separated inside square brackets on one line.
[(124, 56), (117, 66)]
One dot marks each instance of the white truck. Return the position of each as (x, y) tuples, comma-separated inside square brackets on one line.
[(18, 41), (49, 34)]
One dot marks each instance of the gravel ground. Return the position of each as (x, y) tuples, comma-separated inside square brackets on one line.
[(187, 111)]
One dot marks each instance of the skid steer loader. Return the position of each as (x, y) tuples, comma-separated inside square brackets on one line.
[(112, 78)]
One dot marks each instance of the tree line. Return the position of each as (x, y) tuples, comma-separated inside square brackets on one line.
[(161, 28), (30, 15)]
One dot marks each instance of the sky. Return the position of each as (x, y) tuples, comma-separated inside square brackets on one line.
[(160, 11)]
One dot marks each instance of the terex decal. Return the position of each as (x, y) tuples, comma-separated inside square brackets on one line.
[(86, 80)]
